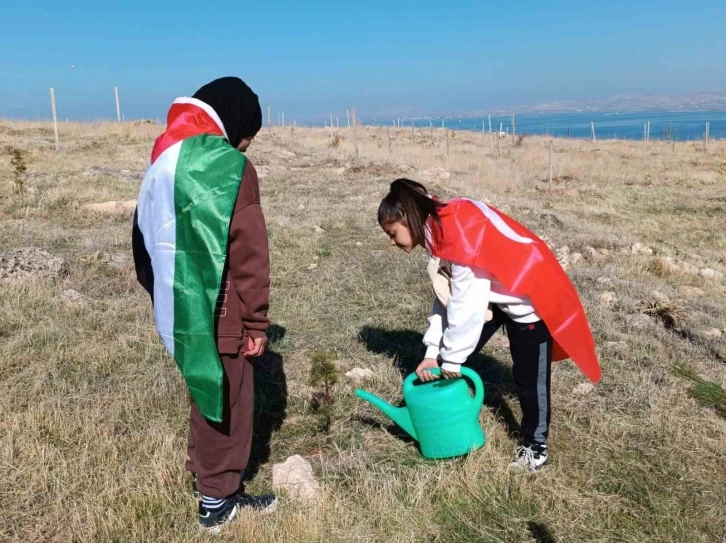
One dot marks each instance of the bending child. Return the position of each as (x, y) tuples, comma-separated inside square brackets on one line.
[(489, 271)]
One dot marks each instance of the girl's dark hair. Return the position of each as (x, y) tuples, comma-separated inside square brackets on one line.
[(408, 202)]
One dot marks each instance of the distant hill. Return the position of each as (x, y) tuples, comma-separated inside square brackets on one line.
[(624, 103)]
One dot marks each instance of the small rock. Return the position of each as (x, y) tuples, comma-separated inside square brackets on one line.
[(583, 389), (673, 265), (359, 244), (575, 258), (312, 266), (360, 374), (640, 321), (71, 296), (711, 333), (604, 280), (619, 346), (591, 253), (437, 172), (691, 290), (658, 376), (301, 207), (710, 273), (286, 154), (31, 261), (640, 249), (296, 477), (113, 207), (318, 230), (563, 256), (658, 296), (608, 298)]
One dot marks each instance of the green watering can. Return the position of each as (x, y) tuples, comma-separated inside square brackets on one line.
[(441, 415)]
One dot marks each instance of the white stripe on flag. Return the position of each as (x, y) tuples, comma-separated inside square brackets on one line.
[(206, 107), (157, 222), (499, 223)]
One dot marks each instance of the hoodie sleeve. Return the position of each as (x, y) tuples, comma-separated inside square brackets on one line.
[(466, 314), (249, 262)]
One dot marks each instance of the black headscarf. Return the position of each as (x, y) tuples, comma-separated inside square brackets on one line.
[(237, 106)]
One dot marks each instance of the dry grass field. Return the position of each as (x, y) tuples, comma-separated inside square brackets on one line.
[(93, 413)]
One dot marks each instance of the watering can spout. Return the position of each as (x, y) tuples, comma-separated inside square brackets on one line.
[(399, 414)]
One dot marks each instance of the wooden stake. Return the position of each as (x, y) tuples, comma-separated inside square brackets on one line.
[(337, 123), (388, 135), (118, 106), (499, 143), (269, 119), (331, 125), (348, 115), (447, 144), (501, 129), (413, 137), (355, 123), (550, 178), (592, 130), (55, 119), (645, 132), (442, 124), (514, 131), (283, 119), (490, 123), (431, 129)]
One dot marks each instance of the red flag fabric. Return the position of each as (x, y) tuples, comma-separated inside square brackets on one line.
[(477, 235)]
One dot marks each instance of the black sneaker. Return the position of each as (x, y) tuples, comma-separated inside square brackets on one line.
[(529, 458), (212, 520), (266, 503)]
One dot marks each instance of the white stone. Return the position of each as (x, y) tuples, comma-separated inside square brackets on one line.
[(608, 298), (359, 244), (710, 273), (312, 266), (575, 258), (640, 249), (296, 477), (658, 296), (673, 265), (640, 321), (318, 230), (711, 333), (604, 280), (691, 290), (583, 389), (71, 296), (360, 374)]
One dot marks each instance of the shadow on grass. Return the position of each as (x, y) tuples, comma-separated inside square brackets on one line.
[(540, 533), (406, 349), (270, 402)]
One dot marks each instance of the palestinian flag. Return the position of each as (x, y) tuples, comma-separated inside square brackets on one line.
[(181, 228), (475, 234)]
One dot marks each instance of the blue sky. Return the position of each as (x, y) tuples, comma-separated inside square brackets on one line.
[(315, 58)]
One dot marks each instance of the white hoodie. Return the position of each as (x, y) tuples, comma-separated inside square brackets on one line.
[(457, 322)]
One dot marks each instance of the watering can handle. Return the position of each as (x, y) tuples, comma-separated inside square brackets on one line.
[(478, 399)]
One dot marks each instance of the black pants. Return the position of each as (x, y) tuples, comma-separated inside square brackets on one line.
[(531, 348)]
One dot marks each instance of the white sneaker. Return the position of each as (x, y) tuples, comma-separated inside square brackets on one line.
[(529, 458)]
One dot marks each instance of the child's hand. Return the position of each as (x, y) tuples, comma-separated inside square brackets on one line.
[(450, 374), (422, 371), (255, 347)]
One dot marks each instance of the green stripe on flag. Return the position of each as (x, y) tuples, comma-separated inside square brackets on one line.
[(207, 180)]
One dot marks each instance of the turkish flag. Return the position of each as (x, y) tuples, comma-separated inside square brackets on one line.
[(477, 235)]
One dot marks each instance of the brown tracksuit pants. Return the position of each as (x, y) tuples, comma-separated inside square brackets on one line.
[(218, 452)]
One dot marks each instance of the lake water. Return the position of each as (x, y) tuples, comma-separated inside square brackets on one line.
[(682, 125)]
